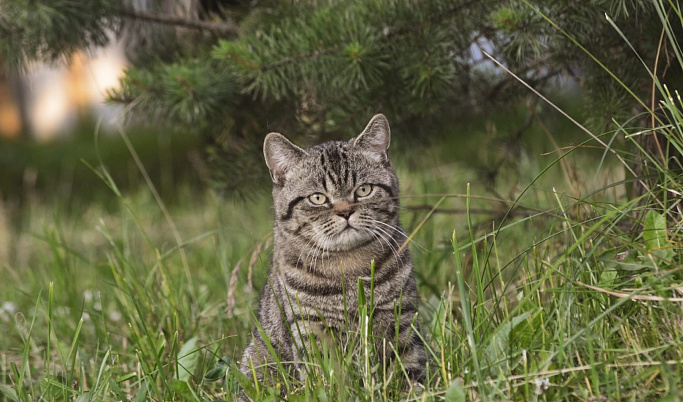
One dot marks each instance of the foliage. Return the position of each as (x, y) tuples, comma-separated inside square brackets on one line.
[(189, 93), (52, 29), (563, 287), (317, 70)]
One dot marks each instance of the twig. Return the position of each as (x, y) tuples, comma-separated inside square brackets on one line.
[(462, 210), (531, 377), (630, 295), (426, 218), (224, 28)]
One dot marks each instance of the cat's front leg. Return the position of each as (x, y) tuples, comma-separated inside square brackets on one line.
[(401, 332), (257, 364), (308, 337), (414, 359)]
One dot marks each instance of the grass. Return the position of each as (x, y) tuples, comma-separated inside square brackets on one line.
[(553, 302), (544, 281)]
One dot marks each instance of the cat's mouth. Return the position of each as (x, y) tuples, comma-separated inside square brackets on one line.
[(348, 226), (346, 238)]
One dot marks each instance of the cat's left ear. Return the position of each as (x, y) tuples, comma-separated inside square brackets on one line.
[(280, 156), (375, 139)]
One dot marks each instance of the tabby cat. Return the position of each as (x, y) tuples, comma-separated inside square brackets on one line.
[(336, 210)]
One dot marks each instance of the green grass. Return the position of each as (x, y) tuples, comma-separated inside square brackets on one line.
[(539, 280), (553, 302)]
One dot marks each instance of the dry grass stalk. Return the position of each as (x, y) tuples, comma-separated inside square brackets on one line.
[(232, 288), (252, 263)]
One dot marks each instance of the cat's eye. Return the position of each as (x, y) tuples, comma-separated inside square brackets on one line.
[(317, 198), (363, 190)]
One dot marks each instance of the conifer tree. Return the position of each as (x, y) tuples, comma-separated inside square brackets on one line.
[(231, 71)]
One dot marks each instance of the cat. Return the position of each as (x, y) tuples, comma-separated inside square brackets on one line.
[(336, 210)]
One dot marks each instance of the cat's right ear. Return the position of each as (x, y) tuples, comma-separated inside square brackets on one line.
[(280, 156), (375, 139)]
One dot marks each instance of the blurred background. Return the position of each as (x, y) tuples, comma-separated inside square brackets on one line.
[(131, 167), (198, 83)]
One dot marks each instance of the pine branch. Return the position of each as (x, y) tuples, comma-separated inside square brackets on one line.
[(6, 32), (223, 28), (389, 36), (434, 19), (293, 59)]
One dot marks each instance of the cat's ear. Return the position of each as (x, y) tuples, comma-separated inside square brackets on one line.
[(280, 155), (375, 139)]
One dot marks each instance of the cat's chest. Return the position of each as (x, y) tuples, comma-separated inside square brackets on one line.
[(339, 308), (343, 287)]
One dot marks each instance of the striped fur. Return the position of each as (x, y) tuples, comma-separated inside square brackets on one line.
[(320, 251)]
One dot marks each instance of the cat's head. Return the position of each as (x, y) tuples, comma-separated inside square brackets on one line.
[(337, 195)]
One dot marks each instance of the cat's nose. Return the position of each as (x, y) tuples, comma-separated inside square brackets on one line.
[(343, 209)]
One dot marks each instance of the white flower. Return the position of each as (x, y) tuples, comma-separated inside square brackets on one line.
[(542, 385), (9, 307)]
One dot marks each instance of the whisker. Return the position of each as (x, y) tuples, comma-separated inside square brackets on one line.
[(388, 235), (398, 246), (321, 244), (301, 245), (390, 226), (315, 246), (402, 233), (375, 236), (321, 248), (393, 249)]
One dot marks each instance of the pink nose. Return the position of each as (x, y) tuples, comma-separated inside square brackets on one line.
[(343, 208)]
